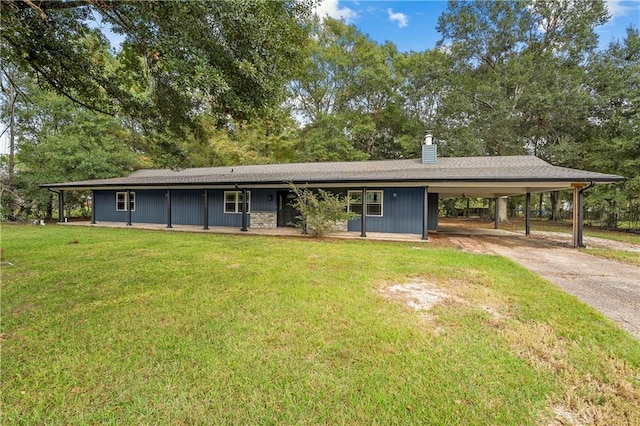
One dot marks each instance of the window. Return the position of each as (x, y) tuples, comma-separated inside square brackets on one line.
[(121, 201), (233, 201), (374, 202)]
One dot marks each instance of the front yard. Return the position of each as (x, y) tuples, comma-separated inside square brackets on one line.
[(124, 326)]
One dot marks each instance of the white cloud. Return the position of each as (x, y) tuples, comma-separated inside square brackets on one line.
[(398, 17), (332, 9), (618, 9)]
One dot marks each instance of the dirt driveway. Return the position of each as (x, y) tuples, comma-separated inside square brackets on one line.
[(609, 286)]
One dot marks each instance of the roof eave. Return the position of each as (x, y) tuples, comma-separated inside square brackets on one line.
[(88, 186)]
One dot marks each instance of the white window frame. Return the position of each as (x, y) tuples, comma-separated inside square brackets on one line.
[(126, 197), (237, 201), (358, 195)]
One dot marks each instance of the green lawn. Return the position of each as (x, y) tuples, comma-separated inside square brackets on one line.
[(124, 326)]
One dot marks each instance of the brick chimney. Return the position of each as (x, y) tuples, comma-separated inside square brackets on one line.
[(429, 150)]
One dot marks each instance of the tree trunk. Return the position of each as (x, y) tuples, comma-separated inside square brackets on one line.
[(11, 97), (502, 210), (540, 205), (50, 208), (555, 206)]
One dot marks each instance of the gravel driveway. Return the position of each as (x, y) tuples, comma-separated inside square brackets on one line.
[(609, 286)]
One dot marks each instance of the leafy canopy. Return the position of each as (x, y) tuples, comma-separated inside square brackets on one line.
[(179, 59)]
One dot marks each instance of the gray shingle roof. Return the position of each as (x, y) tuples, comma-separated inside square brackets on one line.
[(460, 169)]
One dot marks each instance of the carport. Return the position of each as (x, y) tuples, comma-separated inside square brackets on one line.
[(504, 189)]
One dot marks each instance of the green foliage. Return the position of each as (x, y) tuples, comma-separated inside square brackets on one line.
[(178, 59), (518, 79), (347, 95), (60, 142), (320, 211)]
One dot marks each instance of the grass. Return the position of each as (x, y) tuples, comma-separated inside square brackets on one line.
[(629, 257), (123, 326)]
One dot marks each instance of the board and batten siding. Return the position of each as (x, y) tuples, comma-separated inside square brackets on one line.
[(150, 207), (186, 206), (402, 213)]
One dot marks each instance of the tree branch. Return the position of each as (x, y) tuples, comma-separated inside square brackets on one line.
[(33, 6)]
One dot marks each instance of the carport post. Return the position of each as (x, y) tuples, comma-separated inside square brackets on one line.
[(425, 215), (527, 214), (363, 218), (169, 209), (496, 213), (93, 207), (577, 214), (61, 206)]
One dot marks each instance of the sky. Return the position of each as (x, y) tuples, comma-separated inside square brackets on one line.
[(411, 25)]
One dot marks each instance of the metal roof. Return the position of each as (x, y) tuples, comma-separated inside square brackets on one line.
[(459, 172)]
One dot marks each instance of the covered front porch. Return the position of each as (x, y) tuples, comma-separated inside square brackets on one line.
[(443, 231)]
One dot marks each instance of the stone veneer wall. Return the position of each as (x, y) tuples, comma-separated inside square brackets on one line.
[(264, 219), (340, 226)]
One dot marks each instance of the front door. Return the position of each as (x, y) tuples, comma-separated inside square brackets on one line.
[(287, 214)]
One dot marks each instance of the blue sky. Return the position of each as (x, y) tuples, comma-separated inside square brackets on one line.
[(411, 25)]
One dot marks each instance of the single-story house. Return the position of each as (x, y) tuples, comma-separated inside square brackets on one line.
[(398, 196)]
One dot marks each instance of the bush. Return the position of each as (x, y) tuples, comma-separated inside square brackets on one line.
[(320, 211)]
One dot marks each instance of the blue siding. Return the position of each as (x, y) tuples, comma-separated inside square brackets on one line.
[(217, 216), (150, 207), (402, 213), (186, 206), (260, 200)]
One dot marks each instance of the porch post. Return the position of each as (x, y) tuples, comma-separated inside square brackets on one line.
[(128, 203), (93, 207), (425, 215), (581, 217), (205, 209), (168, 195), (496, 214), (61, 206), (577, 215), (363, 218), (527, 214), (244, 211)]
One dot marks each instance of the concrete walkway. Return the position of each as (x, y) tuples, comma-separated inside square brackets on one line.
[(611, 287)]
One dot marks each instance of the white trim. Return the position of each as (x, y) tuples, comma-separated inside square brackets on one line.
[(369, 191), (237, 202), (126, 197)]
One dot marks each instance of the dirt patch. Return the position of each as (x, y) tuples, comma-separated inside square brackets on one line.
[(418, 295), (421, 295)]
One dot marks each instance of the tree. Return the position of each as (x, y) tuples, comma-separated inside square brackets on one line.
[(347, 97), (612, 144), (518, 84), (178, 59), (260, 141), (9, 97), (59, 141)]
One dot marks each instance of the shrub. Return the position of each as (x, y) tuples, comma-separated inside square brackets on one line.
[(320, 211)]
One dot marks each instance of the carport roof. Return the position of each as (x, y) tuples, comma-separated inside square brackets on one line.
[(504, 175)]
